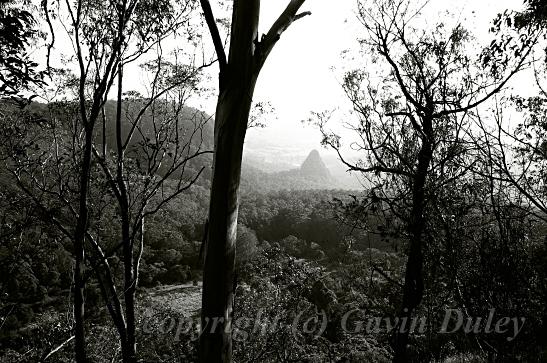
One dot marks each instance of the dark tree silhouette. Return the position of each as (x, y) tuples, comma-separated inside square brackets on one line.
[(413, 127)]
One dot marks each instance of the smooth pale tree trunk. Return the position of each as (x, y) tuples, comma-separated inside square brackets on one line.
[(237, 81), (218, 276), (413, 288), (232, 113)]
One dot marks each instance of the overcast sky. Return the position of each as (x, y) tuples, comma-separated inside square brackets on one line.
[(298, 76), (303, 72)]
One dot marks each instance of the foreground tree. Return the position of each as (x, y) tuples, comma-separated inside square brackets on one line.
[(237, 78), (147, 167), (106, 39), (413, 126), (155, 138), (98, 52)]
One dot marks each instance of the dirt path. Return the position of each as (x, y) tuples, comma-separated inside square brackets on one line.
[(185, 299)]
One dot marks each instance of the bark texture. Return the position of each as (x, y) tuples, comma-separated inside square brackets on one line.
[(237, 79), (413, 288)]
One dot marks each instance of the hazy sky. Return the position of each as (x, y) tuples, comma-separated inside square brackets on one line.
[(298, 76), (303, 72)]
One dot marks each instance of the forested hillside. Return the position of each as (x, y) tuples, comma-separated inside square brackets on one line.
[(403, 219)]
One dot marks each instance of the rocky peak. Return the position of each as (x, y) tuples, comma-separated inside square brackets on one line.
[(314, 167)]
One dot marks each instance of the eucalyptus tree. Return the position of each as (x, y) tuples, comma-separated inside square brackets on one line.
[(237, 78), (97, 36), (412, 126), (157, 154), (105, 39)]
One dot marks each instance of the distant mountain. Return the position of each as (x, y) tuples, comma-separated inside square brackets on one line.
[(194, 131), (263, 170), (273, 157), (313, 168), (195, 127), (312, 174)]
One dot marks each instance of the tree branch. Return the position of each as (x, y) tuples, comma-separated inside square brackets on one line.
[(287, 17), (384, 51), (215, 34), (57, 348), (497, 89)]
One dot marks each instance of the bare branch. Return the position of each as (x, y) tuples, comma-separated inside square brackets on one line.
[(58, 348), (493, 92), (287, 17), (215, 34)]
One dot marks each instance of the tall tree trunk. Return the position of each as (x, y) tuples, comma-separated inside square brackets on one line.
[(79, 252), (218, 274), (413, 289), (79, 301), (237, 81), (129, 344), (129, 349)]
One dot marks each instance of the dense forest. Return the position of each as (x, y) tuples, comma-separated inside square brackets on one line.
[(134, 229)]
